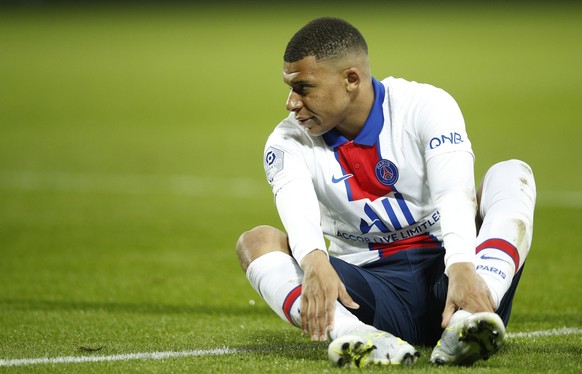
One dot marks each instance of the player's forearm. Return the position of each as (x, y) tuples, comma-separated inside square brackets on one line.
[(458, 227), (299, 211), (452, 187)]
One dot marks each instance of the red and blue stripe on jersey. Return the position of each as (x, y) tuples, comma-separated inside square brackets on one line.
[(419, 241), (358, 160), (360, 156)]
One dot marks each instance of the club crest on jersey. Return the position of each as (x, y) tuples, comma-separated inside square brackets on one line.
[(386, 172), (273, 162)]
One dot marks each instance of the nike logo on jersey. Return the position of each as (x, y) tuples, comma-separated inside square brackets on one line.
[(340, 179), (485, 257)]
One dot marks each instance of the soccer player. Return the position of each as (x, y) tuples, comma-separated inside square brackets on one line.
[(384, 171)]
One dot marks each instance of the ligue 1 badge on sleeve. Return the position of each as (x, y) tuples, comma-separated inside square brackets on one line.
[(386, 172), (273, 162)]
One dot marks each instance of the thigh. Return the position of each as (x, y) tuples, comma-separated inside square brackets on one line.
[(403, 294)]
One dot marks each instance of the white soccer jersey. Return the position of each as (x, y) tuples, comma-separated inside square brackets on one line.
[(405, 181)]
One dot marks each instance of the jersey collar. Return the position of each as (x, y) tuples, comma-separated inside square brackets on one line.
[(372, 127)]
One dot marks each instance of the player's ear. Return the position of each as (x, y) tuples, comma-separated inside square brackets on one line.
[(352, 77)]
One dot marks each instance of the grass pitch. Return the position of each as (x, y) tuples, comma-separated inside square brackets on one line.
[(130, 161)]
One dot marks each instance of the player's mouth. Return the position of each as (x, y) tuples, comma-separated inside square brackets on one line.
[(303, 120)]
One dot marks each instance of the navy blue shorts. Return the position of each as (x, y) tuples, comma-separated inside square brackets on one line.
[(405, 293)]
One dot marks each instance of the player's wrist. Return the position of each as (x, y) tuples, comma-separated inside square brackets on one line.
[(455, 258), (461, 267), (312, 259), (461, 272)]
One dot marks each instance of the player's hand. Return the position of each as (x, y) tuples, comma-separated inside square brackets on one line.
[(321, 288), (467, 290)]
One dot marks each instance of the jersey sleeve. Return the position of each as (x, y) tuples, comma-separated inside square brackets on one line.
[(440, 123), (449, 163), (450, 178), (297, 204)]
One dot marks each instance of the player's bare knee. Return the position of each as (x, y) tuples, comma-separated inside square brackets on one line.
[(258, 241)]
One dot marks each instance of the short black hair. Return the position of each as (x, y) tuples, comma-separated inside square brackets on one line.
[(324, 38)]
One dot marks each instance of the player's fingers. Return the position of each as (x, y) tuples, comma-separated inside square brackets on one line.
[(346, 299), (480, 303), (320, 321), (303, 312), (329, 316), (312, 312), (447, 314)]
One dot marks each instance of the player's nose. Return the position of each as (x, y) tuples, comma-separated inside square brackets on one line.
[(294, 103)]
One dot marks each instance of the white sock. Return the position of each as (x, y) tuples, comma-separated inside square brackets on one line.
[(346, 323), (497, 269), (276, 276), (507, 207)]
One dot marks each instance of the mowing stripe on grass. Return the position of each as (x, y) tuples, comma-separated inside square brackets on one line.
[(120, 357), (560, 199), (134, 184), (187, 185), (216, 352)]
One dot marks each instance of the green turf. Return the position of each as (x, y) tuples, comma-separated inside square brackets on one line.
[(130, 161)]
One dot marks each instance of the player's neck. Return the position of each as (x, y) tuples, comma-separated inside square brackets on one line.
[(358, 113)]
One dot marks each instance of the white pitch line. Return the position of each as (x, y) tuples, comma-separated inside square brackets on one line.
[(217, 351), (553, 332), (120, 357)]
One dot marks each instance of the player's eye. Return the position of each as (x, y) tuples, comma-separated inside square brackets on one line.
[(302, 89)]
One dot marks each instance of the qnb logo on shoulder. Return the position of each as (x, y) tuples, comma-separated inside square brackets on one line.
[(386, 172), (451, 138)]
